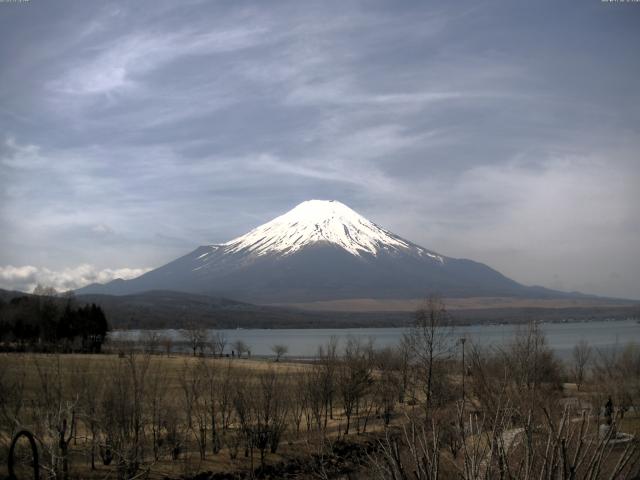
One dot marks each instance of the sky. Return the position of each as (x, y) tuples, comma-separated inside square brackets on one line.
[(505, 132)]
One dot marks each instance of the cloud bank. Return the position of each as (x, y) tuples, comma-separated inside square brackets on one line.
[(27, 277)]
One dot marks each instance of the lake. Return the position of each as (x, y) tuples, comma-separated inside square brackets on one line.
[(561, 337)]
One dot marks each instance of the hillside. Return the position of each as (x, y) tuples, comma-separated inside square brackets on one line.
[(174, 310)]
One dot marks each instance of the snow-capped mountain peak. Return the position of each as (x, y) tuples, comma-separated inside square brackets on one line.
[(318, 221), (320, 250)]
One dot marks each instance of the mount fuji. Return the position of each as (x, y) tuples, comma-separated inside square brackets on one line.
[(322, 250)]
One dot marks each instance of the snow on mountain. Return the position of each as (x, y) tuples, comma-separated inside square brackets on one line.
[(320, 221), (320, 250)]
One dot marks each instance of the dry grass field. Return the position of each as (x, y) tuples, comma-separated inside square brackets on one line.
[(75, 375), (357, 411), (410, 305)]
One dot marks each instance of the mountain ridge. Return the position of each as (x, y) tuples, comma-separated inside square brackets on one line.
[(322, 250)]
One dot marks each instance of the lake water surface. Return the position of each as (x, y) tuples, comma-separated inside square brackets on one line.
[(561, 337)]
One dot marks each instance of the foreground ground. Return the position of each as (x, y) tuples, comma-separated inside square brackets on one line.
[(34, 375), (405, 412)]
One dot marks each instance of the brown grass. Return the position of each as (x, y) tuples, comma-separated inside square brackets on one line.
[(410, 305), (13, 365)]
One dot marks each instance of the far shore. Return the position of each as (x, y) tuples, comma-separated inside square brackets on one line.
[(470, 303)]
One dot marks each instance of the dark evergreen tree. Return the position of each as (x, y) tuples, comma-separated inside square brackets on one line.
[(42, 321)]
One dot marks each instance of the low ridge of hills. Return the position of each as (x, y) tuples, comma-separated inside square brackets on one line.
[(162, 309)]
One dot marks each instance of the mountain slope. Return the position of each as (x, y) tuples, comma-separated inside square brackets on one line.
[(321, 250)]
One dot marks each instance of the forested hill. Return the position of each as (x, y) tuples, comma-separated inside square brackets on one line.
[(50, 322), (168, 309)]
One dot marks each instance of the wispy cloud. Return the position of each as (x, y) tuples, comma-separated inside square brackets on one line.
[(118, 64), (131, 134)]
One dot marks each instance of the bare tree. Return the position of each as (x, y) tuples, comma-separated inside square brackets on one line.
[(240, 347), (90, 387), (328, 362), (219, 343), (517, 430), (273, 407), (389, 364), (157, 406), (213, 394), (298, 399), (122, 412), (187, 379), (431, 344), (12, 390), (244, 399), (202, 408), (57, 409), (617, 373), (225, 396), (167, 344), (531, 360), (150, 341), (581, 356), (354, 378), (196, 338), (262, 411), (279, 350), (411, 454), (315, 386)]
